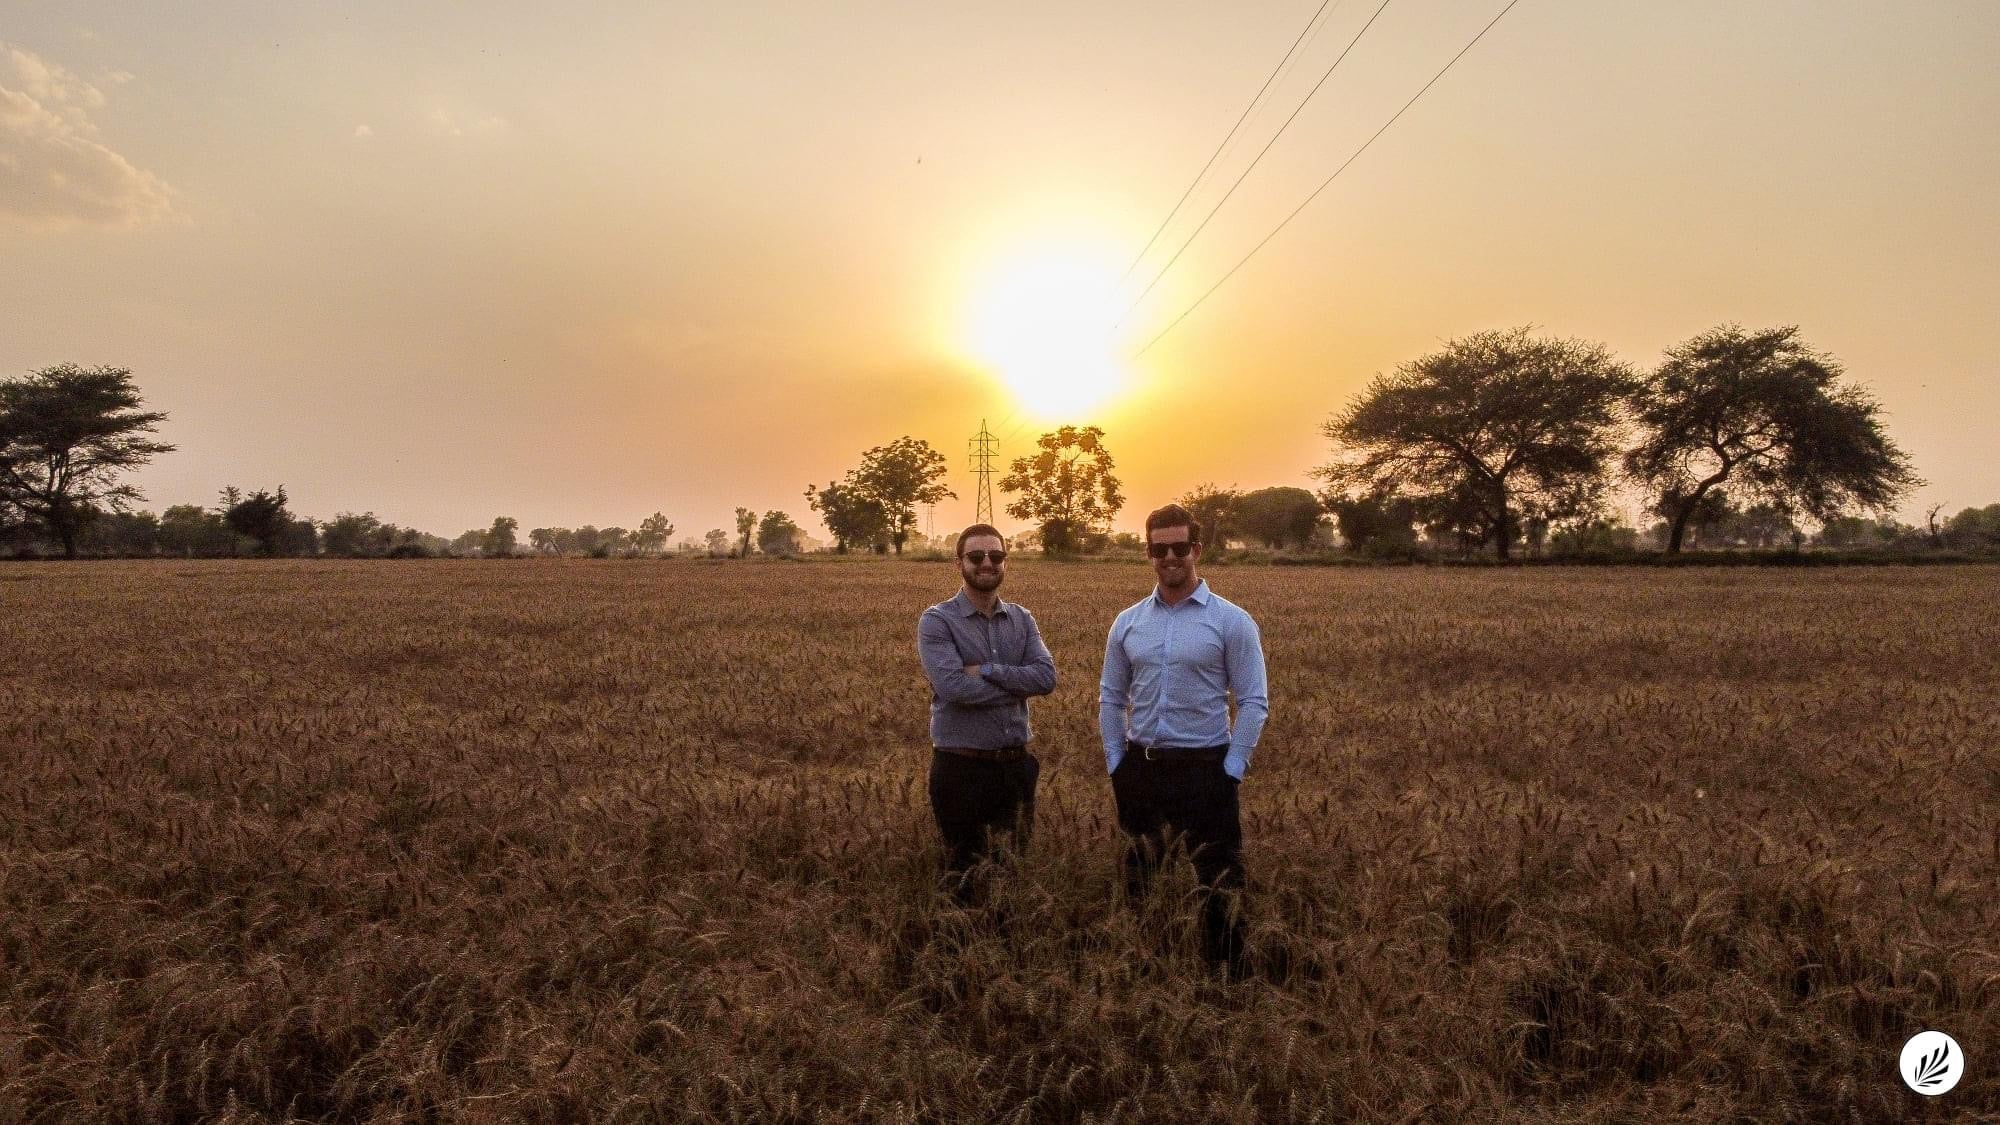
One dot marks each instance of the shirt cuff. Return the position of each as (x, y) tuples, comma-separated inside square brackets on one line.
[(1235, 767)]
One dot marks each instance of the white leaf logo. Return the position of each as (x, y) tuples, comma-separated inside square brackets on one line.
[(1932, 1063)]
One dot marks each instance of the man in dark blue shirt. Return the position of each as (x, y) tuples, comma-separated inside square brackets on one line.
[(984, 658)]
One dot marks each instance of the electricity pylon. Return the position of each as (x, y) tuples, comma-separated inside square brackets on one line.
[(984, 445)]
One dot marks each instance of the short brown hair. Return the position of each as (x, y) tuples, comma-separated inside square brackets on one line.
[(1173, 515), (974, 531)]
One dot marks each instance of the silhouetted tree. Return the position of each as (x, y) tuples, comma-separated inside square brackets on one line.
[(1974, 527), (66, 433), (746, 526), (1492, 421), (260, 516), (190, 530), (500, 537), (347, 535), (718, 542), (122, 533), (298, 538), (655, 532), (1762, 411), (1278, 517), (777, 534), (1376, 522), (1213, 509), (1067, 489), (899, 477), (850, 517)]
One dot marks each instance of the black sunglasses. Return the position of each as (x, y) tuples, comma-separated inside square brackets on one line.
[(1159, 550), (979, 557)]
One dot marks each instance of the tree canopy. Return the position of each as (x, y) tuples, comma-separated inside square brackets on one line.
[(1067, 488), (1214, 509), (1767, 414), (1489, 426), (778, 535), (1278, 517), (852, 518), (66, 434), (260, 516), (898, 477)]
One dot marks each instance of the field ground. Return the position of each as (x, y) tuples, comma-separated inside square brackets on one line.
[(648, 841)]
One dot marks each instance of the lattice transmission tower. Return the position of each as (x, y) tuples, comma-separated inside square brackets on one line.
[(984, 446)]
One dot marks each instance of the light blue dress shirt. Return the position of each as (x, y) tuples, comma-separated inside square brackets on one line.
[(1169, 672)]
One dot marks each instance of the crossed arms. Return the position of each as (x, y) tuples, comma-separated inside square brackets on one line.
[(982, 685)]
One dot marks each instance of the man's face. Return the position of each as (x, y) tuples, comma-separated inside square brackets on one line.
[(985, 575), (1175, 572)]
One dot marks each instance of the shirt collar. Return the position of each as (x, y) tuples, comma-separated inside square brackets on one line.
[(1198, 597), (967, 609)]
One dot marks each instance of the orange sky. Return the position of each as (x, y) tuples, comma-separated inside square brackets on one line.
[(503, 259)]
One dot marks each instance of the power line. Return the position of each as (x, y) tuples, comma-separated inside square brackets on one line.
[(1196, 182), (1254, 161), (1329, 180)]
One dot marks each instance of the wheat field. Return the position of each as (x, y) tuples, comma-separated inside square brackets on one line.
[(648, 841)]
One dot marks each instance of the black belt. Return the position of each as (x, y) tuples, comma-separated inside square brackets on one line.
[(1003, 754), (1176, 755)]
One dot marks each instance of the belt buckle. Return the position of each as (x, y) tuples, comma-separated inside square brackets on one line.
[(1148, 752)]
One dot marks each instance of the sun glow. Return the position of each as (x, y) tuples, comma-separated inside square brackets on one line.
[(1044, 319)]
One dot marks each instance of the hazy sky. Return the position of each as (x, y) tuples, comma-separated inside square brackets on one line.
[(577, 263)]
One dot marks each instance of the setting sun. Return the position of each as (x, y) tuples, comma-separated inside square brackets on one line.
[(1044, 321)]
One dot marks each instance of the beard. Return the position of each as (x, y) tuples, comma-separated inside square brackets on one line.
[(984, 581), (1174, 577)]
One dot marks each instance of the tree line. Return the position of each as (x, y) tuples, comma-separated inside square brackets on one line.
[(1500, 441)]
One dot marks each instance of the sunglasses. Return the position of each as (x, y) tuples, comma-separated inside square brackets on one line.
[(978, 558), (1159, 550)]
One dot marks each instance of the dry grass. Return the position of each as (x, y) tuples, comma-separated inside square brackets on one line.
[(540, 841)]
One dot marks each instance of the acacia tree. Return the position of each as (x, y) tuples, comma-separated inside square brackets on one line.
[(1474, 432), (898, 477), (848, 515), (1067, 488), (746, 525), (66, 433), (1762, 411)]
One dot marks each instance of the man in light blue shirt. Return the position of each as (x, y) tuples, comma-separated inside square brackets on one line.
[(1171, 665)]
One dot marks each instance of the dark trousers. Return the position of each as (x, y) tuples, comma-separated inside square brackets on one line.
[(1186, 796), (982, 808)]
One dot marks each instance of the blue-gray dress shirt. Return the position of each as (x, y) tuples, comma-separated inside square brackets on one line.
[(988, 711), (1173, 668)]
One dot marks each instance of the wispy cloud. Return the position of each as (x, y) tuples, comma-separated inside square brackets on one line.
[(54, 171), (452, 124)]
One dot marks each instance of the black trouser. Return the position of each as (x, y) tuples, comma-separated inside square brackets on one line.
[(981, 807), (1186, 794)]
